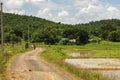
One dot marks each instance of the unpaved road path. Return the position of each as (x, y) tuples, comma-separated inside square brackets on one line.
[(29, 67)]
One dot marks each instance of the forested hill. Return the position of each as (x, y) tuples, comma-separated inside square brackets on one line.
[(41, 30), (17, 25), (23, 21)]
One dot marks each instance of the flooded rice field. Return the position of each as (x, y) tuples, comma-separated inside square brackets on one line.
[(108, 67), (111, 74), (80, 54), (98, 63)]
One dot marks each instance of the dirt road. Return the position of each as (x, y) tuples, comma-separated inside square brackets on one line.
[(29, 67)]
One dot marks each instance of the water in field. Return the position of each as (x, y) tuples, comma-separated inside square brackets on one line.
[(112, 74), (108, 67), (80, 54)]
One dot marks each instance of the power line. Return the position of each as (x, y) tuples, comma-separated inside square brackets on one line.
[(6, 9)]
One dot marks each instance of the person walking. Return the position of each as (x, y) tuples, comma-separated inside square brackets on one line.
[(34, 46)]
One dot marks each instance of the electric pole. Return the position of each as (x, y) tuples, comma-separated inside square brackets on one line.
[(28, 35), (2, 43)]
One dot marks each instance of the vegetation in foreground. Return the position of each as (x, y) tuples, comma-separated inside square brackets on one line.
[(56, 57), (57, 53), (104, 49), (10, 51)]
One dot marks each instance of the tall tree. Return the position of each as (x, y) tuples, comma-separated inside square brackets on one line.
[(82, 37)]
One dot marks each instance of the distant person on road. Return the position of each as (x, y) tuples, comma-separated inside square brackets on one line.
[(34, 46)]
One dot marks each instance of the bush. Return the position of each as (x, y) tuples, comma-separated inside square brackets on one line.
[(114, 36), (82, 37), (95, 39)]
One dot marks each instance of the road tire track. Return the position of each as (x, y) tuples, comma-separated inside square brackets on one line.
[(29, 67)]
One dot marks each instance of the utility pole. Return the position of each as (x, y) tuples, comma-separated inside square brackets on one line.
[(2, 43), (28, 36)]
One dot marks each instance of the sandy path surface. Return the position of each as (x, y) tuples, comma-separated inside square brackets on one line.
[(29, 67)]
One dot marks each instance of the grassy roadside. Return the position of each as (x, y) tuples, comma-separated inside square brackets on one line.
[(56, 55), (10, 51)]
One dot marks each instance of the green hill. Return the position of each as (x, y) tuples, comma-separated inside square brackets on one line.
[(42, 30)]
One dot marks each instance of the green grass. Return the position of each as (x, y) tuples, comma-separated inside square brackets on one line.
[(102, 50), (106, 54), (57, 53), (104, 45), (10, 51)]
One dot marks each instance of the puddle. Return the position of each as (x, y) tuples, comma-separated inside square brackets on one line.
[(108, 67), (80, 54)]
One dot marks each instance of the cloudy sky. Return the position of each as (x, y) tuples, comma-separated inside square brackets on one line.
[(65, 11)]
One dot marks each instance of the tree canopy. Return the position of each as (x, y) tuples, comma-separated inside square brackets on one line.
[(42, 30)]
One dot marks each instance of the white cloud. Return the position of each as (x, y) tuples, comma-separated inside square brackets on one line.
[(84, 3), (96, 11), (112, 9), (81, 11), (45, 13), (20, 12), (89, 8), (14, 3), (35, 1), (72, 11), (63, 14)]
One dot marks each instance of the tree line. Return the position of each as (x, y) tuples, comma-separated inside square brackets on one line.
[(41, 30)]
